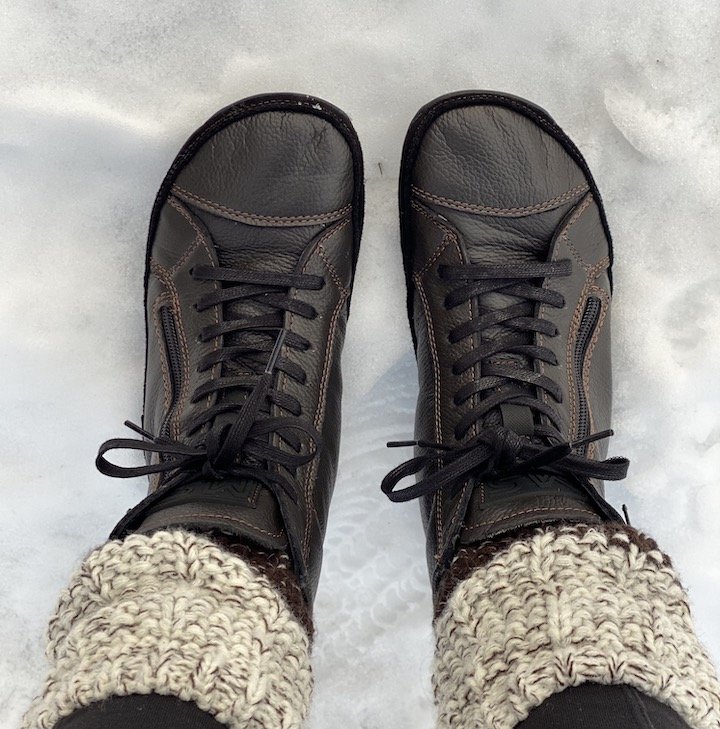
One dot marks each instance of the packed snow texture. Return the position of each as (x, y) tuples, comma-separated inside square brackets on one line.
[(97, 98)]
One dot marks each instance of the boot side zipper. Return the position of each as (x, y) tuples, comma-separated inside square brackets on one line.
[(589, 321), (174, 360)]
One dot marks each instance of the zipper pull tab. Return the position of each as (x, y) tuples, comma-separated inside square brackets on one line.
[(270, 367), (626, 513), (602, 435), (140, 431)]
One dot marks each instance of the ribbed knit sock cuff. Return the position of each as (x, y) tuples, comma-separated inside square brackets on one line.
[(562, 606), (174, 614)]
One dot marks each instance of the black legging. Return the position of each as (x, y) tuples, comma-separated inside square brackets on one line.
[(589, 706), (592, 706), (140, 712)]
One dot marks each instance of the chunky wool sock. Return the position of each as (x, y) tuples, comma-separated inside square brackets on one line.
[(560, 606), (174, 614)]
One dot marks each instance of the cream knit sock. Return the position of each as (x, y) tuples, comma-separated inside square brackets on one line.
[(560, 607), (173, 613)]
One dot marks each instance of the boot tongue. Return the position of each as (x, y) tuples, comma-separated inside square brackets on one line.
[(254, 249), (268, 250), (513, 244)]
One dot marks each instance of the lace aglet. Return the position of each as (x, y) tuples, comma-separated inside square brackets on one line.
[(626, 514), (270, 367), (418, 443), (602, 435), (140, 431)]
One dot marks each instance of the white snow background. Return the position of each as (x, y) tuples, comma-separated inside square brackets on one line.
[(95, 100)]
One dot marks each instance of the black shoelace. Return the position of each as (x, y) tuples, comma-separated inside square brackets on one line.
[(497, 452), (238, 439)]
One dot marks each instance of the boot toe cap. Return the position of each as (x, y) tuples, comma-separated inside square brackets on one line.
[(279, 162), (496, 157)]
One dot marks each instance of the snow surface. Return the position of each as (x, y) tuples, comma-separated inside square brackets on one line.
[(96, 99)]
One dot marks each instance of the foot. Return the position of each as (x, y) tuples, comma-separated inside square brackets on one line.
[(507, 256), (251, 254)]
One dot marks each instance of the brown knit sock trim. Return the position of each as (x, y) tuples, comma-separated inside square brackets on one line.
[(468, 559), (277, 567)]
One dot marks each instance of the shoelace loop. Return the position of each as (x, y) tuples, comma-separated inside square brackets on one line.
[(494, 454)]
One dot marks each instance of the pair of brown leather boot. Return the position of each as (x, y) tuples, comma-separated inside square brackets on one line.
[(251, 253), (550, 611)]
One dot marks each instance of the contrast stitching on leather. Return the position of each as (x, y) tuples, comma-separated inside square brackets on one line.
[(449, 237), (234, 520), (436, 388), (565, 235), (309, 485), (310, 481), (326, 365), (518, 212), (175, 204), (200, 235), (160, 300), (454, 516), (529, 511), (202, 239), (254, 495), (329, 265), (257, 218), (603, 296)]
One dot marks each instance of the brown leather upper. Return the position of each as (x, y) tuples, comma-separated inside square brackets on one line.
[(492, 180), (276, 185)]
